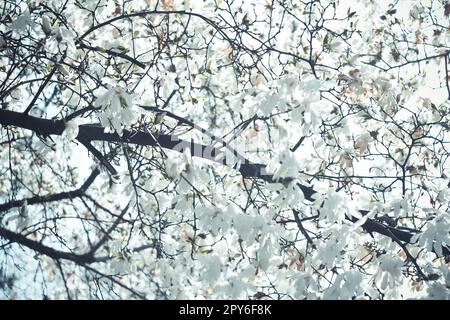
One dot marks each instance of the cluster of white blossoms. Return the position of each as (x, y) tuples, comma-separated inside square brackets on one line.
[(342, 104)]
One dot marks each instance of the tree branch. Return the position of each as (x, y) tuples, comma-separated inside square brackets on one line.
[(43, 249), (113, 53), (53, 197), (41, 88), (247, 169)]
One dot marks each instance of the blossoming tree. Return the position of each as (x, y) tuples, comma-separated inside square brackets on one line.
[(257, 149)]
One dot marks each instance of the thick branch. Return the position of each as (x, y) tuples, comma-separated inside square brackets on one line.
[(89, 133), (43, 249)]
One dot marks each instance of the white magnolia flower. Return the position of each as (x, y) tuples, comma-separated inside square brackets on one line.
[(438, 291), (120, 265), (389, 271), (362, 143), (21, 24), (118, 109), (71, 130), (345, 160), (346, 286), (436, 234), (211, 269), (46, 25)]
